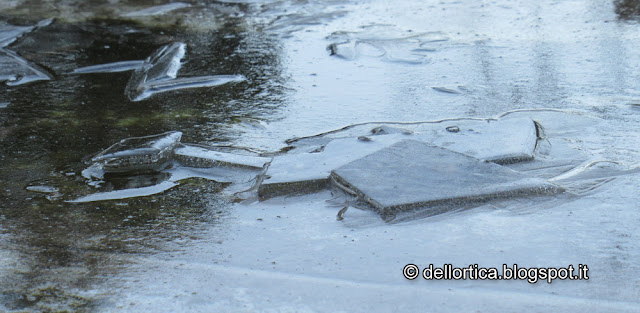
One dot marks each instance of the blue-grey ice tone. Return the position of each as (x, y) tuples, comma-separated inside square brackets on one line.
[(139, 153), (114, 67), (411, 174), (15, 70)]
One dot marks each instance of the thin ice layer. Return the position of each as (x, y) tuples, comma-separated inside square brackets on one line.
[(151, 88), (305, 172), (201, 157), (506, 140), (17, 71), (9, 33), (412, 174), (139, 153), (158, 74), (114, 67), (502, 141)]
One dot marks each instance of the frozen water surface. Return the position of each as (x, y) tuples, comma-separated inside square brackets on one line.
[(571, 66)]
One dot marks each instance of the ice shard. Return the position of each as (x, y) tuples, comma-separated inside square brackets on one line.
[(139, 154), (158, 74), (194, 156), (411, 174), (17, 71), (114, 67), (9, 33)]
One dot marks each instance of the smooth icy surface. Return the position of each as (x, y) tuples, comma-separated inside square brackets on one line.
[(506, 140), (411, 174)]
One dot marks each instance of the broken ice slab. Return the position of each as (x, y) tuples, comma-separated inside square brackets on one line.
[(114, 67), (17, 71), (158, 9), (501, 141), (506, 140), (193, 156), (139, 154), (308, 172), (411, 174)]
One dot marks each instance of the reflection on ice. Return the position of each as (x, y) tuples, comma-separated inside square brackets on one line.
[(387, 42)]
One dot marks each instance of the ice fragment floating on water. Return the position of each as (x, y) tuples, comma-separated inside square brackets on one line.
[(9, 33), (412, 174), (17, 71), (115, 67), (149, 153), (193, 156), (158, 73), (14, 69)]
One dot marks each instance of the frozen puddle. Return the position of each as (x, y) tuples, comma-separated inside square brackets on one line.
[(411, 174), (158, 73)]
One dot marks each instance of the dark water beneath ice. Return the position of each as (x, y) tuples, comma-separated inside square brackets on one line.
[(496, 57)]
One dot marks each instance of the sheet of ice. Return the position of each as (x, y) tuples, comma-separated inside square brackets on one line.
[(17, 71), (158, 74), (139, 153), (9, 33), (151, 88), (412, 174), (158, 9), (193, 156), (114, 67), (305, 172), (385, 41), (126, 193), (506, 140)]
